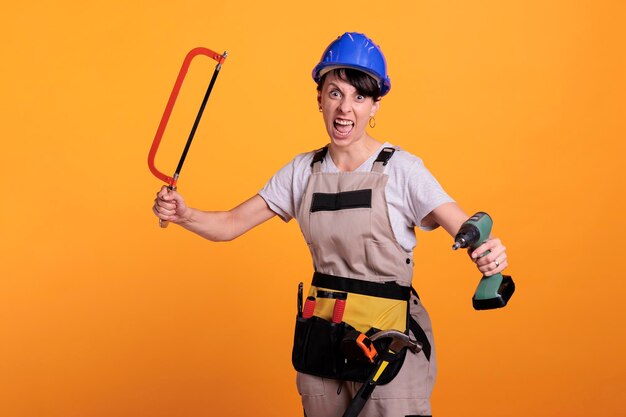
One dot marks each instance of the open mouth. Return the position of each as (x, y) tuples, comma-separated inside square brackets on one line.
[(343, 127)]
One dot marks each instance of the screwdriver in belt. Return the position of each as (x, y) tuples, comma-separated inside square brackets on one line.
[(300, 289)]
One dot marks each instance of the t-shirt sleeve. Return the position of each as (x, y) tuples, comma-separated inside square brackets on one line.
[(278, 193), (424, 193)]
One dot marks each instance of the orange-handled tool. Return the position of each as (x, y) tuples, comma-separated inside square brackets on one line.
[(172, 181), (356, 345)]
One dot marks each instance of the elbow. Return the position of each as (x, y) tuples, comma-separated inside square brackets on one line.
[(228, 232), (214, 226), (223, 238), (224, 234)]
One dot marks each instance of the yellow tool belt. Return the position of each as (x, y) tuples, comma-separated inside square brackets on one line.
[(369, 307)]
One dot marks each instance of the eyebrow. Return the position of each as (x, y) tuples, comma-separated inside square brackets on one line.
[(332, 83)]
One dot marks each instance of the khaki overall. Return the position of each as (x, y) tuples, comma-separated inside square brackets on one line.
[(349, 234)]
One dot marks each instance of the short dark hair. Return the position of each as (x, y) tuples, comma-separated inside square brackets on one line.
[(364, 83)]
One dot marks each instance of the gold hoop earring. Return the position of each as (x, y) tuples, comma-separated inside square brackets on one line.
[(372, 122)]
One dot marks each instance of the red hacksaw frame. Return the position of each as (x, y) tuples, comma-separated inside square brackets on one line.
[(170, 105)]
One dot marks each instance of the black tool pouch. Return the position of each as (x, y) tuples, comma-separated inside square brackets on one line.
[(317, 351)]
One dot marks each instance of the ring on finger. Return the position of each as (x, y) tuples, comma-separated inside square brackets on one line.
[(497, 263)]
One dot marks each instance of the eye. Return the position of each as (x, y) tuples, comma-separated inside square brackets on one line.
[(360, 97), (335, 94)]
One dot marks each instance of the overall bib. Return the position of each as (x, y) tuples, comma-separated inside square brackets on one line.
[(345, 222)]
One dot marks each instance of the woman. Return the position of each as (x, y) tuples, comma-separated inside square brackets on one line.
[(357, 202)]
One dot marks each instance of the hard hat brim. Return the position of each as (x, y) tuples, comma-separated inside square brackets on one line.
[(324, 68)]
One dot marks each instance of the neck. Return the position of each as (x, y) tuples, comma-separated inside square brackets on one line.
[(351, 157)]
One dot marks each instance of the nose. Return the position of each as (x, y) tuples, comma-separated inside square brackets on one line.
[(345, 105)]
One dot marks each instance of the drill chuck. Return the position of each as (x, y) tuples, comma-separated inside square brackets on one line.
[(468, 235), (459, 244)]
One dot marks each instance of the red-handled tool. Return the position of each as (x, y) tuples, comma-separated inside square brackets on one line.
[(172, 181), (338, 309), (309, 307)]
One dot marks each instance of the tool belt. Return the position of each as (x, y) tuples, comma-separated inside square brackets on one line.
[(369, 307)]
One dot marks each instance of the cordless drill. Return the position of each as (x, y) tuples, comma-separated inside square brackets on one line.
[(493, 291)]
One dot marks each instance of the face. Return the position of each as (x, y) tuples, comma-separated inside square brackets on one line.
[(346, 112)]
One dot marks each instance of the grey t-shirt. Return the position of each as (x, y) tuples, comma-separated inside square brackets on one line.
[(412, 192)]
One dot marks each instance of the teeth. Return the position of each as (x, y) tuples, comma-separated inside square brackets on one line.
[(344, 122)]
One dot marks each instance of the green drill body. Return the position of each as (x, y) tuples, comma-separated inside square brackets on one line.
[(493, 291)]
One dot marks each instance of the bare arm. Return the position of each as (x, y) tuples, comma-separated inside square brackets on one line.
[(450, 216), (217, 226)]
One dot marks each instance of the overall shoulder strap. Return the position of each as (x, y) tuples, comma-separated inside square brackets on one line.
[(382, 159), (318, 158)]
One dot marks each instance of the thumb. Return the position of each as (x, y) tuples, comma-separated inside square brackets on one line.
[(167, 194)]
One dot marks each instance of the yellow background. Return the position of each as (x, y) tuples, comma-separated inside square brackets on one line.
[(517, 107)]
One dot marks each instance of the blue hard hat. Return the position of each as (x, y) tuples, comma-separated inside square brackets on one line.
[(355, 50)]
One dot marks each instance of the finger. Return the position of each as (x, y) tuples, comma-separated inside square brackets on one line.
[(163, 192), (167, 205), (163, 208), (173, 218), (497, 253), (157, 213), (493, 265), (502, 266), (167, 194), (487, 245)]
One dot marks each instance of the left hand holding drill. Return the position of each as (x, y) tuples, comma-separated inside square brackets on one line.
[(492, 263)]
